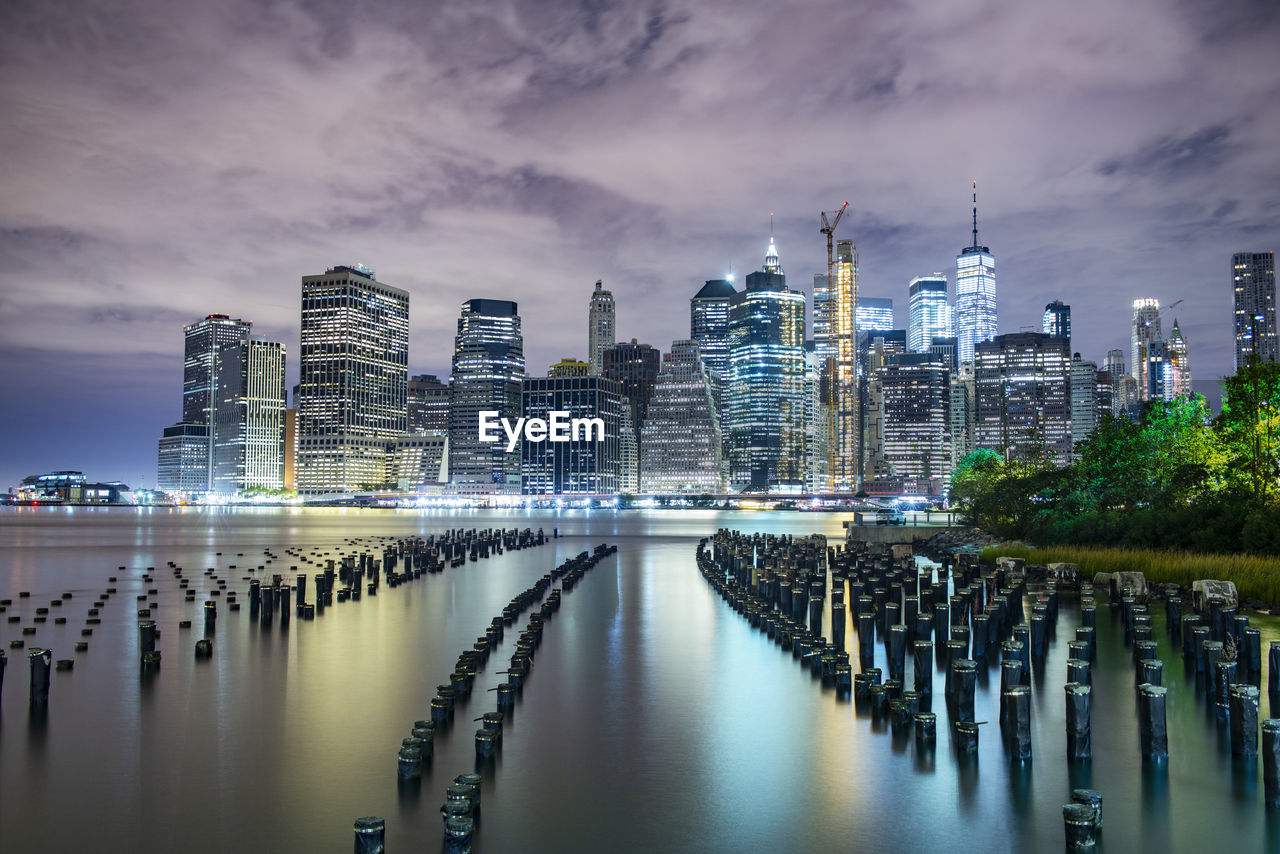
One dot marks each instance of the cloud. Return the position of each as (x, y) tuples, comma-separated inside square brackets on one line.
[(168, 160)]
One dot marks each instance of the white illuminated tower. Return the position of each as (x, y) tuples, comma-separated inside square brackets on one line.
[(975, 292)]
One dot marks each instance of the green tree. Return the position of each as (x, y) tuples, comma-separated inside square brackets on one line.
[(1249, 426)]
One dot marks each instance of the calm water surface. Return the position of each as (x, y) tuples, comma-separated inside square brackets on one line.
[(654, 719)]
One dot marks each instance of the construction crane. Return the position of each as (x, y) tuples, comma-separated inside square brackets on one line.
[(829, 365)]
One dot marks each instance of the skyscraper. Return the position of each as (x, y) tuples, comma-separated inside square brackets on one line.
[(875, 313), (846, 320), (1057, 320), (591, 462), (913, 394), (488, 369), (766, 382), (600, 327), (428, 402), (258, 459), (1254, 279), (232, 435), (636, 367), (929, 314), (354, 374), (1124, 389), (1084, 398), (1143, 330), (680, 448), (1179, 363), (1023, 385), (709, 323), (822, 309), (975, 292)]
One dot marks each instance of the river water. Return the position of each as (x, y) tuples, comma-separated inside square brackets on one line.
[(654, 719)]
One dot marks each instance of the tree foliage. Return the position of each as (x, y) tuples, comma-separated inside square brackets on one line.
[(1171, 479)]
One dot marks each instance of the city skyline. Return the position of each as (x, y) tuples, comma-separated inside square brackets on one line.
[(151, 192)]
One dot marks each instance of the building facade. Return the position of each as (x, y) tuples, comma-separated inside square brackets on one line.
[(912, 392), (570, 367), (600, 327), (1179, 362), (1057, 320), (591, 462), (680, 440), (428, 405), (766, 383), (1084, 398), (488, 369), (709, 323), (929, 312), (354, 374), (1023, 390), (1253, 276), (875, 314), (1144, 329)]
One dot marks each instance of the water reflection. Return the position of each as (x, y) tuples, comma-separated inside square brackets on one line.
[(655, 717)]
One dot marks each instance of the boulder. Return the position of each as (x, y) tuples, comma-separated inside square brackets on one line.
[(1205, 591), (1135, 581), (1102, 579), (1014, 566), (1065, 571)]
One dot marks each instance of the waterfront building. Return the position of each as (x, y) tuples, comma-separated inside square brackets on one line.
[(210, 380), (929, 313), (183, 465), (591, 462), (71, 487), (249, 425), (1023, 391), (1057, 320), (819, 419), (709, 323), (600, 327), (1144, 328), (419, 462), (488, 369), (1084, 398), (1253, 276), (354, 373), (681, 448), (976, 310), (291, 447), (570, 367), (766, 382)]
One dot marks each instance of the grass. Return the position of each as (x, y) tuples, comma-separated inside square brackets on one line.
[(1255, 577)]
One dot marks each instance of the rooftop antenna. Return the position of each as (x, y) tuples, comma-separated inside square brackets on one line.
[(975, 213)]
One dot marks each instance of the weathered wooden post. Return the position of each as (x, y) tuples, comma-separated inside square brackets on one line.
[(1244, 720), (370, 835), (1079, 725), (1153, 735)]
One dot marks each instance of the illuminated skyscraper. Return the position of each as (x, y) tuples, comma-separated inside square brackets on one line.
[(1254, 285), (766, 382), (1144, 329), (600, 327), (1057, 320), (233, 401), (913, 394), (929, 314), (875, 314), (821, 331), (709, 323), (591, 462), (488, 369), (428, 402), (845, 322), (1023, 385), (1084, 398), (1179, 363), (354, 375), (975, 292), (680, 440)]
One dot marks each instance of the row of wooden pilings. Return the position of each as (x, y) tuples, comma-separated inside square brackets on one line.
[(401, 560), (776, 582), (461, 808)]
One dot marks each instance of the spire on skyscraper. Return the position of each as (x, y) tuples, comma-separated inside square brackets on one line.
[(975, 213), (771, 263)]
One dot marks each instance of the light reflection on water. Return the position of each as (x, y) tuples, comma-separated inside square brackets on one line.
[(655, 718)]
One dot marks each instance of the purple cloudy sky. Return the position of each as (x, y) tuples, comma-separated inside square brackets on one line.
[(165, 160)]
